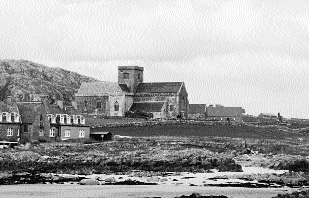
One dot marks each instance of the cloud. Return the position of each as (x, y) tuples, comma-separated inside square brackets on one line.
[(238, 52)]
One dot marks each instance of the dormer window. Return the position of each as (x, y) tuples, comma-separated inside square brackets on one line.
[(79, 119), (53, 119), (75, 120), (49, 117), (12, 117), (82, 121), (62, 119), (126, 75), (6, 117), (68, 119), (16, 118)]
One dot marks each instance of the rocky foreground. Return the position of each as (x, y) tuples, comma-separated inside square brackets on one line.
[(150, 162)]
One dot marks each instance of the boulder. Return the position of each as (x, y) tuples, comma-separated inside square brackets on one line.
[(153, 179), (110, 180), (89, 182)]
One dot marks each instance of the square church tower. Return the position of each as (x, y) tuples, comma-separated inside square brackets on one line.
[(130, 76)]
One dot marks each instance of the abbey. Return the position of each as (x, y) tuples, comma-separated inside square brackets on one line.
[(130, 93)]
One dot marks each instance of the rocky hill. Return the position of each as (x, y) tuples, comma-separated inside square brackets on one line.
[(20, 78)]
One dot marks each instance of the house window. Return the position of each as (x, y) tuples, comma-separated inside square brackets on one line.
[(77, 119), (6, 117), (41, 133), (82, 120), (25, 128), (16, 117), (49, 117), (171, 107), (62, 119), (12, 117), (17, 132), (81, 133), (125, 75), (139, 76), (99, 105), (73, 119), (68, 119), (67, 133), (116, 106), (52, 132), (10, 132)]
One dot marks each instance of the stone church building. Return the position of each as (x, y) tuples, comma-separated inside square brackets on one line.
[(130, 93)]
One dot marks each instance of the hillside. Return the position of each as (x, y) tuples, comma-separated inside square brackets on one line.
[(21, 78)]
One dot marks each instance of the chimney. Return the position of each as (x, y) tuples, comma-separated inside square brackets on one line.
[(60, 104), (9, 99), (74, 104)]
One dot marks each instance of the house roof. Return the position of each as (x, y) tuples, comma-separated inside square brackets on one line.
[(4, 107), (197, 108), (159, 87), (28, 111), (147, 106), (268, 114), (101, 89), (55, 109), (220, 111), (99, 132)]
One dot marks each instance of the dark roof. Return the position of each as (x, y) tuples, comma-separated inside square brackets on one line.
[(28, 110), (221, 111), (101, 89), (55, 109), (159, 87), (197, 108), (148, 106), (99, 132), (4, 107)]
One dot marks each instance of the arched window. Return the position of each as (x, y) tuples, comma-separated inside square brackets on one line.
[(99, 105), (116, 106), (41, 120)]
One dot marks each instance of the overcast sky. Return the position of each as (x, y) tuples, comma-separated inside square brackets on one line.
[(253, 54)]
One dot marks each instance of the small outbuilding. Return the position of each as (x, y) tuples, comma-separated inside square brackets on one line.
[(101, 136)]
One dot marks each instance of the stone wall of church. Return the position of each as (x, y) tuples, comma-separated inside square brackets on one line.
[(183, 102), (93, 104), (171, 107), (117, 105)]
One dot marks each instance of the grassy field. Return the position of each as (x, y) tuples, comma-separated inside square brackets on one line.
[(182, 130)]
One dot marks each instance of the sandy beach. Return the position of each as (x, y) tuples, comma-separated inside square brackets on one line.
[(164, 191)]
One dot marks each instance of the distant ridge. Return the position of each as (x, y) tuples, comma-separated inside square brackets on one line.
[(21, 78)]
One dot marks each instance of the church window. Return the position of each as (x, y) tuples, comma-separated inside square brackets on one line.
[(41, 120), (99, 104), (26, 128), (125, 75), (171, 107), (116, 106)]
